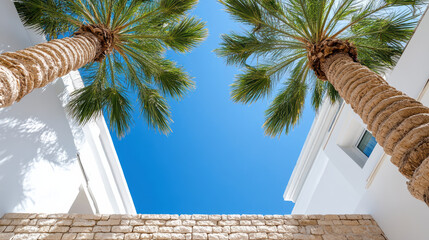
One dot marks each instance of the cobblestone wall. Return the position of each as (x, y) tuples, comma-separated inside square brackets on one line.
[(198, 227)]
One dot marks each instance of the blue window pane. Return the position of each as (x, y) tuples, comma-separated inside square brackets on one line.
[(367, 144)]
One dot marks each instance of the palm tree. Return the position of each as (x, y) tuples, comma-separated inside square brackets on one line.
[(316, 43), (121, 43)]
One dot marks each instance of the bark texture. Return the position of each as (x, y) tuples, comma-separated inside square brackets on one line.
[(399, 123), (34, 67)]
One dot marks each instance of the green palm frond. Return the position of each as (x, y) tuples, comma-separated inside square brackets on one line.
[(279, 33), (145, 30), (287, 107)]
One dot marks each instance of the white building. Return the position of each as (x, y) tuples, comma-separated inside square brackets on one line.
[(334, 176), (47, 163)]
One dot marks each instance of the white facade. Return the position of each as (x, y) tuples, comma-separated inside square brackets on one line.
[(47, 163), (328, 179)]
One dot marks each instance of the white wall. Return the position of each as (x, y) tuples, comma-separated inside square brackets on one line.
[(39, 144), (36, 144)]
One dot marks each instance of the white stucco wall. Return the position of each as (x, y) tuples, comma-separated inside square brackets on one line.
[(336, 184), (39, 145)]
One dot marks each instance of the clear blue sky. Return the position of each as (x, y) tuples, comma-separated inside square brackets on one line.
[(217, 159)]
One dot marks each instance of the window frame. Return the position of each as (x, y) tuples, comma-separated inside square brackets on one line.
[(359, 141)]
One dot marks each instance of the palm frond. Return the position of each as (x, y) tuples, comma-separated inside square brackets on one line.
[(144, 30), (279, 34)]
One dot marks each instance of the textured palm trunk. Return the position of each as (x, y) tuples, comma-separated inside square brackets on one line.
[(34, 67), (399, 123)]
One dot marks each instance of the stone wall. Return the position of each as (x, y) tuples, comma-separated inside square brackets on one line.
[(198, 227)]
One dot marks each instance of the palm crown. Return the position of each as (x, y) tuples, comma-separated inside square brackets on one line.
[(141, 32), (280, 37)]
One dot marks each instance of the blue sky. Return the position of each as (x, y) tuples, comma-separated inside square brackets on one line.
[(217, 159)]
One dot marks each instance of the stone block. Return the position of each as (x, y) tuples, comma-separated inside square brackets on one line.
[(126, 222), (275, 236), (6, 236), (185, 217), (249, 217), (245, 222), (5, 222), (9, 228), (17, 215), (359, 229), (189, 222), (238, 236), (174, 222), (26, 236), (145, 236), (85, 236), (85, 216), (165, 229), (306, 222), (202, 229), (243, 229), (56, 216), (64, 222), (138, 222), (267, 229), (199, 236), (122, 229), (300, 236), (155, 222), (200, 217), (155, 216), (80, 229), (258, 222), (182, 229), (20, 222), (218, 236), (31, 229), (83, 223), (59, 229), (350, 222), (146, 229), (109, 236), (331, 217), (258, 236), (206, 223), (178, 236), (291, 222), (161, 236), (275, 222), (324, 222), (334, 237), (354, 216), (110, 222), (101, 229), (315, 230), (69, 236), (132, 236), (228, 223), (215, 217), (365, 222), (234, 217), (287, 229)]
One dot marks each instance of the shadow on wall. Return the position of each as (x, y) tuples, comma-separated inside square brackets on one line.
[(35, 138)]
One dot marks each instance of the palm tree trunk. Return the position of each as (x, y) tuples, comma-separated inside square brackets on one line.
[(34, 67), (399, 123)]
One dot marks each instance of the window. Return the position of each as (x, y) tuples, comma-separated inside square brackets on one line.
[(366, 143)]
